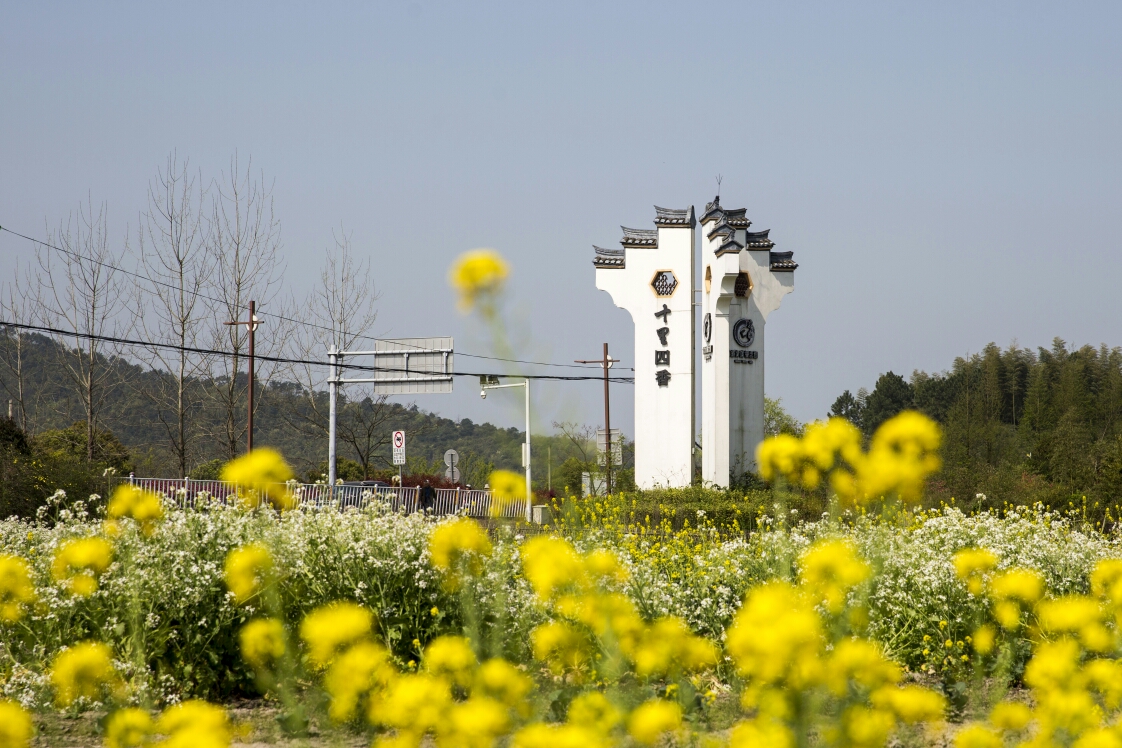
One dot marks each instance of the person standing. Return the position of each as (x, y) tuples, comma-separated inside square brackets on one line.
[(428, 497)]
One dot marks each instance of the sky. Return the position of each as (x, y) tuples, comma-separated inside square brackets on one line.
[(947, 174)]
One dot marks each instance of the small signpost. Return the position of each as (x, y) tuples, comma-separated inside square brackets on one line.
[(451, 460), (399, 447)]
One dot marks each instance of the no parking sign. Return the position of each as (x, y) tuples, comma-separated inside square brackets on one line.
[(399, 447)]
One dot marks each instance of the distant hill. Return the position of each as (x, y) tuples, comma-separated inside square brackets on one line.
[(129, 412)]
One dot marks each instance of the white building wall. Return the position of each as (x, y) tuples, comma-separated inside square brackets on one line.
[(733, 389), (664, 415)]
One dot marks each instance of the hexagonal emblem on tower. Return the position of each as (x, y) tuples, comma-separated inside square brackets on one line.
[(664, 282)]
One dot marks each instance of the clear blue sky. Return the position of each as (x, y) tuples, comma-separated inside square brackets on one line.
[(948, 174)]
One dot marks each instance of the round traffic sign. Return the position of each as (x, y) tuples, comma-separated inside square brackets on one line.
[(451, 458), (398, 439)]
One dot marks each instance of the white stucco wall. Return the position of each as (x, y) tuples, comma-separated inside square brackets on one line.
[(733, 393), (664, 416)]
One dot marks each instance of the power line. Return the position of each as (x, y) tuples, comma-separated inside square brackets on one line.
[(276, 316), (285, 360)]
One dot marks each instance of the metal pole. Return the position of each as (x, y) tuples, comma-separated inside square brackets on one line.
[(529, 496), (607, 426), (332, 385), (252, 328)]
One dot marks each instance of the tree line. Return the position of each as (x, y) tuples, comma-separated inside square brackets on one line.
[(1019, 425)]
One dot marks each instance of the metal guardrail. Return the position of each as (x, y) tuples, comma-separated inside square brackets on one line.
[(188, 493)]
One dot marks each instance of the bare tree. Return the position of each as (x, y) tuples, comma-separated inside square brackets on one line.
[(339, 312), (176, 267), (244, 245), (80, 292)]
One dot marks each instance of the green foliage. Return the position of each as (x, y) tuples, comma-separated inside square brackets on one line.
[(847, 407), (778, 421), (1019, 426), (568, 476), (209, 470), (890, 396), (72, 443), (34, 469)]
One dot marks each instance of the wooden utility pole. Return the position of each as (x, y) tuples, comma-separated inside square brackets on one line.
[(605, 362), (251, 325)]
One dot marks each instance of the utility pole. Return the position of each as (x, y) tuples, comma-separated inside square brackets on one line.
[(606, 363), (251, 325)]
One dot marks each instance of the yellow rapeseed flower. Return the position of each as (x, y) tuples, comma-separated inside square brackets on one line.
[(761, 733), (1054, 665), (542, 735), (551, 564), (1075, 614), (604, 566), (132, 502), (653, 719), (902, 454), (1010, 715), (984, 637), (777, 637), (859, 662), (503, 682), (560, 645), (824, 443), (78, 564), (474, 723), (978, 736), (129, 728), (1105, 676), (248, 570), (451, 658), (362, 669), (971, 565), (16, 588), (82, 671), (667, 647), (867, 728), (829, 569), (779, 456), (478, 276), (263, 642), (260, 476), (507, 488), (194, 724), (592, 709), (910, 704), (1022, 585), (456, 539), (413, 704), (329, 629), (1106, 580), (16, 727)]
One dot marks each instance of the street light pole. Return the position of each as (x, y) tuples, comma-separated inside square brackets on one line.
[(487, 382), (332, 386)]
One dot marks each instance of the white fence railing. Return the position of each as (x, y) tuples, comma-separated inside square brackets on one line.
[(188, 493)]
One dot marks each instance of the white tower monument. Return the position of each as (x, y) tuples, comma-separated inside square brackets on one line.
[(744, 281), (652, 277)]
